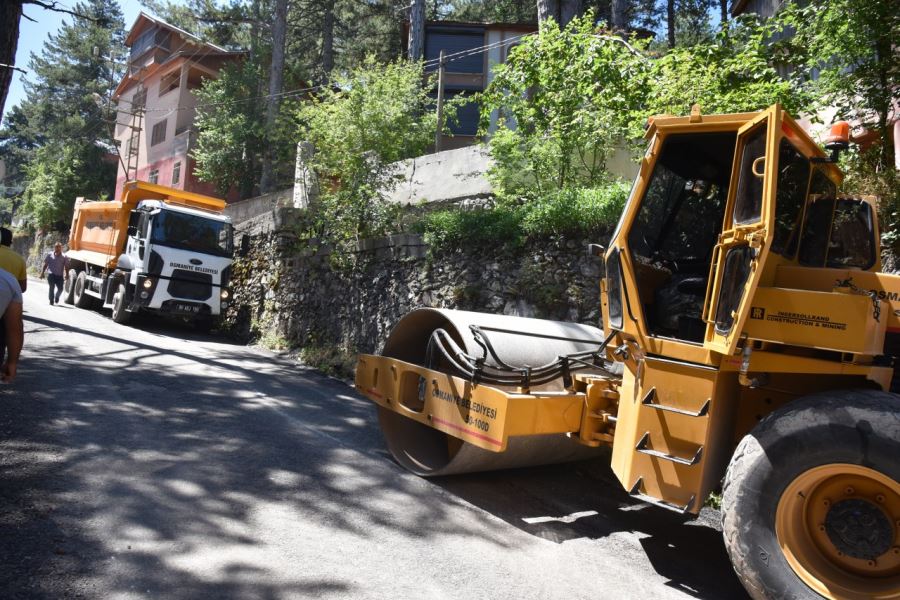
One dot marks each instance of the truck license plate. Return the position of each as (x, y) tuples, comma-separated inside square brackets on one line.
[(188, 308)]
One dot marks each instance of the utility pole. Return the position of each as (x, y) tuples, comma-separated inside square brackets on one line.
[(438, 133)]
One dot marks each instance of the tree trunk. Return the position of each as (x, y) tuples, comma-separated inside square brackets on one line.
[(328, 39), (10, 14), (547, 9), (276, 81), (619, 13), (723, 7), (568, 10), (415, 49), (670, 21)]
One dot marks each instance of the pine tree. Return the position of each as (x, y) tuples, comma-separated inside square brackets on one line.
[(65, 116)]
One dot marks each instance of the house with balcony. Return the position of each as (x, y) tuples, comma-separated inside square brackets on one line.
[(156, 103), (470, 50)]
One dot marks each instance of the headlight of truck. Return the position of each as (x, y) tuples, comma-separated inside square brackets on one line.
[(148, 283), (224, 294)]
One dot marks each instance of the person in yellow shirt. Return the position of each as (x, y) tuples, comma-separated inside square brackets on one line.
[(10, 260)]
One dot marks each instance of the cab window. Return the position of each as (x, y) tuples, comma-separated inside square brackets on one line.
[(748, 198), (793, 179)]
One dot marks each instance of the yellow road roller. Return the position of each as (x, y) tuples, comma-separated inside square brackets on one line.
[(748, 340)]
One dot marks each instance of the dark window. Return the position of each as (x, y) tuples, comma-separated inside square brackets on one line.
[(681, 212), (852, 243), (614, 289), (158, 134), (464, 43), (676, 228), (466, 116), (192, 232), (748, 199), (154, 176), (150, 38), (793, 177), (734, 278), (817, 225), (176, 173), (143, 43), (139, 100), (814, 243)]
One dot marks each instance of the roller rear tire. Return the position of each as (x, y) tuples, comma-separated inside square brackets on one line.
[(811, 501)]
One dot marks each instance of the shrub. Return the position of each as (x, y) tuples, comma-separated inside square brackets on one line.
[(456, 229), (575, 211), (572, 212)]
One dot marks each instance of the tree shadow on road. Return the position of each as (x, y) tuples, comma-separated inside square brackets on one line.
[(180, 471)]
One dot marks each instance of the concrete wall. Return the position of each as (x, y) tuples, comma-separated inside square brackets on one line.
[(260, 205), (443, 176)]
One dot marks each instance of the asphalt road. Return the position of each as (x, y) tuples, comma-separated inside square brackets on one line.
[(151, 462)]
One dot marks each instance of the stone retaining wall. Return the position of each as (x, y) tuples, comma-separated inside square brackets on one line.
[(287, 290)]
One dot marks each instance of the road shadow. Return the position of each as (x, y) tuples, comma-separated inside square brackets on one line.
[(169, 463), (584, 500), (108, 435)]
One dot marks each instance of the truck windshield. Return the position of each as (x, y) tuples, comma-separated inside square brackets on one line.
[(192, 232)]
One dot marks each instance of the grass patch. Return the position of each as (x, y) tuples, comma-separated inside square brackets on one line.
[(333, 361), (567, 212)]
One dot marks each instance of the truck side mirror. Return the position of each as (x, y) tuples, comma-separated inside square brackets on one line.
[(132, 230)]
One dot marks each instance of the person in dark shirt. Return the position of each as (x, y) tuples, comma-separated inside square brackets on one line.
[(56, 262)]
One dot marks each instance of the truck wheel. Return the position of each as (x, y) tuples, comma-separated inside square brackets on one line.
[(81, 299), (69, 287), (811, 501), (120, 302)]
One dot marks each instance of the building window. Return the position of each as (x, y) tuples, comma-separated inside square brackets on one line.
[(169, 82), (139, 100), (158, 135), (154, 176), (176, 173), (152, 38)]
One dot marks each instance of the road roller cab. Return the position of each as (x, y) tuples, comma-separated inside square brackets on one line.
[(747, 336)]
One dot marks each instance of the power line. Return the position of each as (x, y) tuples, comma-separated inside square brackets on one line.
[(296, 92)]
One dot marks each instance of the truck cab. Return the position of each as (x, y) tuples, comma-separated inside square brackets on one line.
[(176, 261), (157, 250)]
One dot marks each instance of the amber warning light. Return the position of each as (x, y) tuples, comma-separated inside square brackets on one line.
[(838, 139)]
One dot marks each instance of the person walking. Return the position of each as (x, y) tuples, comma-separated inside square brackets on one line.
[(14, 337), (10, 260), (56, 262)]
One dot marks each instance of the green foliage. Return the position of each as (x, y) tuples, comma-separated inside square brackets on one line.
[(851, 47), (232, 135), (567, 212), (467, 229), (57, 174), (58, 138), (375, 115), (331, 360), (734, 73), (575, 211), (574, 95)]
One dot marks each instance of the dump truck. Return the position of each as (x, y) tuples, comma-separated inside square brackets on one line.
[(156, 250), (747, 346)]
